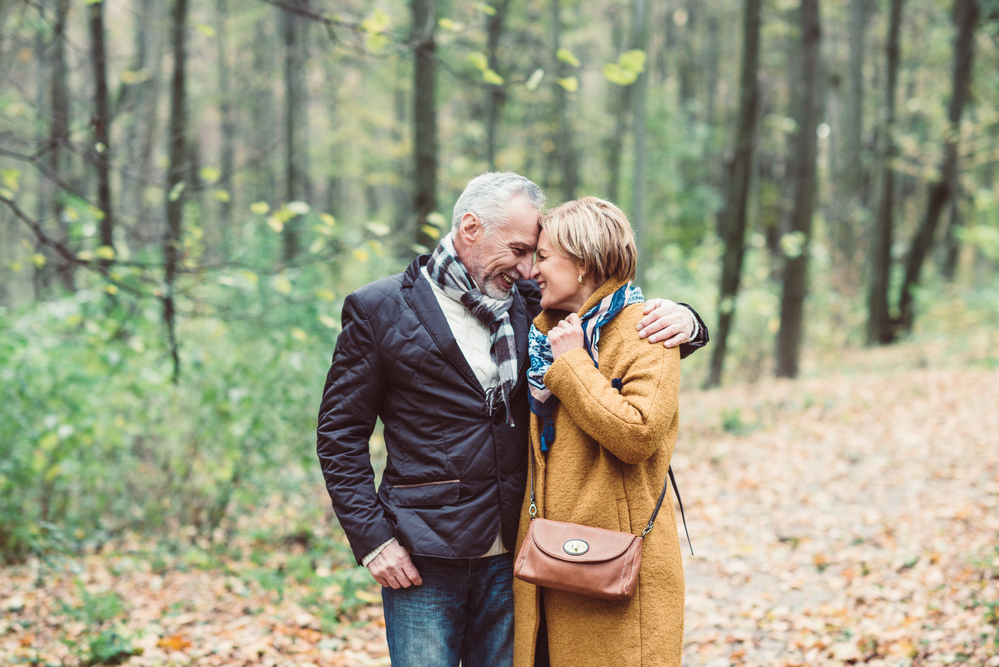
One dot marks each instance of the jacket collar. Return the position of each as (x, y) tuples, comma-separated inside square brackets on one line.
[(421, 298)]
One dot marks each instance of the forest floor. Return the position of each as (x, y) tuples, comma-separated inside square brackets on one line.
[(849, 517)]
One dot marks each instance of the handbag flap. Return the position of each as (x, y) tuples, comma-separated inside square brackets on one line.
[(579, 544)]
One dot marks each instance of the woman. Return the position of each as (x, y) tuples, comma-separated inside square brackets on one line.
[(603, 425)]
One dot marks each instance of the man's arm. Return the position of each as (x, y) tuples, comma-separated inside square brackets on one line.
[(674, 324), (352, 397)]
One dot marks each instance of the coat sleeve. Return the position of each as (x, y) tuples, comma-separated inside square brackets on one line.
[(631, 423), (355, 385)]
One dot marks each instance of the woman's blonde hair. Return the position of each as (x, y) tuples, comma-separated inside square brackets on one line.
[(596, 234)]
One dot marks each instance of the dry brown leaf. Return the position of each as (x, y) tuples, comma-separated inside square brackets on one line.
[(174, 643)]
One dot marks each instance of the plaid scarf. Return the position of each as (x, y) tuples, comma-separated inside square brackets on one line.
[(447, 271), (543, 402)]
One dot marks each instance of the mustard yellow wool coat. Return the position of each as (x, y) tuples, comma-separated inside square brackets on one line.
[(606, 468)]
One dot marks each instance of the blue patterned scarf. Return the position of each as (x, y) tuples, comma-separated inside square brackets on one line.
[(543, 402), (447, 271)]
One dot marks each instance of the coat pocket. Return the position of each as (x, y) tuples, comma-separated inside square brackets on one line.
[(623, 515), (428, 494)]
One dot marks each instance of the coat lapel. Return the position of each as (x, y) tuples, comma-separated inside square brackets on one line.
[(423, 301)]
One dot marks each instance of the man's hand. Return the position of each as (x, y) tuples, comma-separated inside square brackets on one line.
[(393, 568), (568, 335), (666, 321)]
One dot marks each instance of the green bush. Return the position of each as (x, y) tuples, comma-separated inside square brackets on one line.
[(96, 439)]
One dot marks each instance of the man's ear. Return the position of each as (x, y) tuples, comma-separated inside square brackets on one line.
[(469, 228)]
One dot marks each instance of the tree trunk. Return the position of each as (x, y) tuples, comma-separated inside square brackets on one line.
[(296, 126), (263, 115), (101, 125), (175, 178), (59, 137), (880, 328), (850, 172), (803, 171), (139, 100), (734, 214), (713, 67), (227, 131), (424, 119), (497, 94), (402, 164), (687, 70), (952, 250), (619, 108), (565, 152), (640, 40), (966, 16)]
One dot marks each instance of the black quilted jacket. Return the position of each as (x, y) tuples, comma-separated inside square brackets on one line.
[(454, 475)]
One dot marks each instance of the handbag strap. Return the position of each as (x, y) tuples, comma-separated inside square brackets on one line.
[(652, 520)]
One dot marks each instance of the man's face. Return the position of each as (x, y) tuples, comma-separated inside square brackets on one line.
[(496, 261)]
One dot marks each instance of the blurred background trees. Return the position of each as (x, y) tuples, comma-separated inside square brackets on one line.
[(188, 188)]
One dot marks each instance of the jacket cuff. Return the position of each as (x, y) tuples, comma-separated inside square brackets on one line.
[(700, 336)]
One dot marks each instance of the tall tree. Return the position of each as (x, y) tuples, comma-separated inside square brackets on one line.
[(802, 164), (640, 37), (424, 118), (880, 328), (59, 136), (141, 99), (850, 178), (952, 241), (176, 178), (567, 160), (497, 94), (620, 111), (263, 109), (101, 149), (296, 123), (734, 215), (227, 124), (966, 17)]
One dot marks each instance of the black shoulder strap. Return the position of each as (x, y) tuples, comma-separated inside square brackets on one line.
[(655, 512)]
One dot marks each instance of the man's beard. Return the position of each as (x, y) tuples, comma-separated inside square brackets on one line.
[(486, 283)]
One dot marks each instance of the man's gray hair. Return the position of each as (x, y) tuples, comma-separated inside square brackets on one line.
[(488, 196)]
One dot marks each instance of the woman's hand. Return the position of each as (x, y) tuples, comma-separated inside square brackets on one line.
[(568, 335)]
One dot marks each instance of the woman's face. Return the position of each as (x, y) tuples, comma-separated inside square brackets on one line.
[(558, 278)]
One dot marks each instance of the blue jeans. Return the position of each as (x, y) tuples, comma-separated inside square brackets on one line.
[(463, 611)]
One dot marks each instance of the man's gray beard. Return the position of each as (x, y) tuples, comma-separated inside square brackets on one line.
[(487, 287)]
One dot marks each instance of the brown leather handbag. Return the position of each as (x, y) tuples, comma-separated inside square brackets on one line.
[(581, 559)]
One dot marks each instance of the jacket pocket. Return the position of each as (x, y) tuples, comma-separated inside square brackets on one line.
[(428, 494)]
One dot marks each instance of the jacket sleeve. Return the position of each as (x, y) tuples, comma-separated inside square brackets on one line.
[(631, 423), (355, 385), (698, 341)]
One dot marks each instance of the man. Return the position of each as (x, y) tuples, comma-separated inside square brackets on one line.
[(439, 354)]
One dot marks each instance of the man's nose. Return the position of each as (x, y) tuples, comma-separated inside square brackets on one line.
[(526, 267)]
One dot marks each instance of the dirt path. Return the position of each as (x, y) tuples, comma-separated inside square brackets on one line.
[(853, 521), (835, 522)]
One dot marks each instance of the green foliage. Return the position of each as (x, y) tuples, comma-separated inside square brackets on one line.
[(97, 440), (94, 608), (109, 648)]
